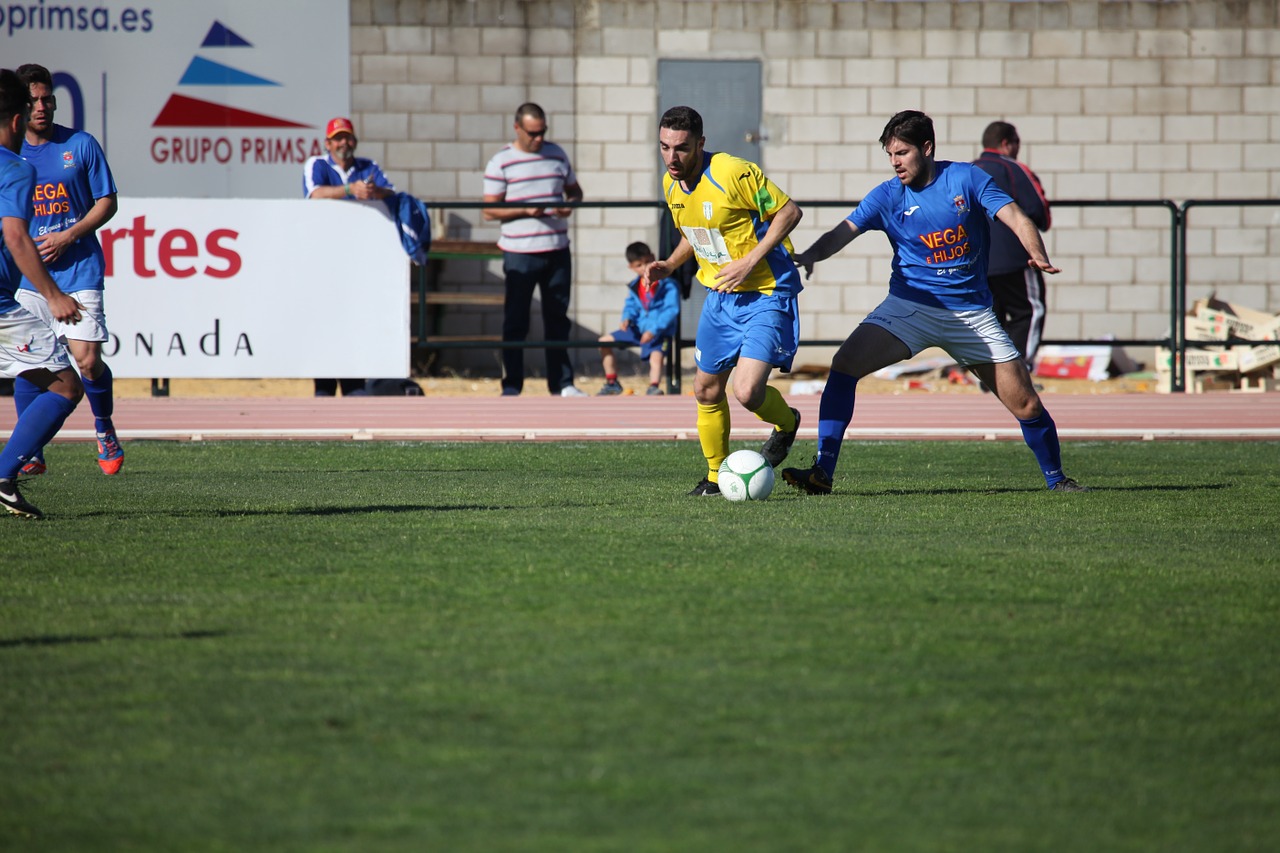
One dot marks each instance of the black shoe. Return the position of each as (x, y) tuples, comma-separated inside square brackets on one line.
[(705, 488), (13, 501), (1068, 485), (812, 481), (779, 444)]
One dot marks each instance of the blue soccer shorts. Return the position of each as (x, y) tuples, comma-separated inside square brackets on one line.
[(762, 326), (629, 335)]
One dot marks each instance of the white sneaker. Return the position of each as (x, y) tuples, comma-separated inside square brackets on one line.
[(571, 391)]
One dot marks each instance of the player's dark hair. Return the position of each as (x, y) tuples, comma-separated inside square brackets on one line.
[(529, 110), (998, 132), (32, 73), (15, 96), (910, 126), (638, 252), (683, 118)]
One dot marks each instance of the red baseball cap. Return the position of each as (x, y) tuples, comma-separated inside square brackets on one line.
[(339, 125)]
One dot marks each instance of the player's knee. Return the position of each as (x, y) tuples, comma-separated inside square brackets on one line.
[(68, 385), (750, 397)]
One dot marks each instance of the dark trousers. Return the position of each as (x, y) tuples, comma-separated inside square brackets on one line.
[(329, 387), (551, 273), (1019, 303)]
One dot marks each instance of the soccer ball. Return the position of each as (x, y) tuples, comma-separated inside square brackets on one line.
[(746, 476)]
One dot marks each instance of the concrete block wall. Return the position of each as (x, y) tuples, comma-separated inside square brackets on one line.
[(1115, 100)]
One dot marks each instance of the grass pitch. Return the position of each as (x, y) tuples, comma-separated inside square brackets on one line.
[(373, 646)]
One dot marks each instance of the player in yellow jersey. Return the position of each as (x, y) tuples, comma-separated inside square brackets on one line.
[(735, 221)]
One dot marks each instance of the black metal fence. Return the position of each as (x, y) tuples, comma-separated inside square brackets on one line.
[(1176, 341)]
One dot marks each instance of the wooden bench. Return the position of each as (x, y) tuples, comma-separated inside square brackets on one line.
[(427, 294)]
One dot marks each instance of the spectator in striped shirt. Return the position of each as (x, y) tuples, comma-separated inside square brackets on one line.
[(534, 240)]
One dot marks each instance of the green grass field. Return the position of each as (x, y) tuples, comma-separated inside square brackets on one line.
[(492, 647)]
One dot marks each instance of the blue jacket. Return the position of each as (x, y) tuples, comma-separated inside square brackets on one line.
[(663, 311)]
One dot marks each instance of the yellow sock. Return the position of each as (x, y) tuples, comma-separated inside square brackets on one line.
[(713, 435), (776, 411)]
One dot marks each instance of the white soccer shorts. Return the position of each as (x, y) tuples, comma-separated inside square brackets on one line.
[(970, 337), (27, 343), (93, 319)]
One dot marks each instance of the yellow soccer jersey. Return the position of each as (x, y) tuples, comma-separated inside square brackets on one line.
[(724, 216)]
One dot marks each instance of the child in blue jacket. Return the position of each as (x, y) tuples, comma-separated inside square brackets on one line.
[(649, 319)]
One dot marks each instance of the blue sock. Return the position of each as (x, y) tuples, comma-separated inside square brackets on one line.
[(834, 413), (101, 401), (38, 424), (1041, 435), (24, 394)]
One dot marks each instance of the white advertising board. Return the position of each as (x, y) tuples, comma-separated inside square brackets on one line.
[(235, 288), (211, 99)]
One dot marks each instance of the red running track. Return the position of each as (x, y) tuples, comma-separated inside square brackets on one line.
[(909, 415)]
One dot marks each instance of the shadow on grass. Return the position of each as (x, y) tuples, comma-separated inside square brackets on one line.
[(879, 493), (75, 639), (317, 511)]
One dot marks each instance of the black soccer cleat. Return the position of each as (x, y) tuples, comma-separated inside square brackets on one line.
[(811, 481), (14, 502), (778, 445), (1068, 485), (705, 488)]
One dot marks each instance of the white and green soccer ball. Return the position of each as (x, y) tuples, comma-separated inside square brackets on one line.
[(745, 475)]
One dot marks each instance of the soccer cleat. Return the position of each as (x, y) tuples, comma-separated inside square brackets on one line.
[(654, 391), (778, 445), (705, 488), (15, 503), (34, 468), (1068, 485), (610, 389), (110, 453), (812, 481)]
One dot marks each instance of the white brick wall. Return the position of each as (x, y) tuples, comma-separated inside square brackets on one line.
[(1174, 99)]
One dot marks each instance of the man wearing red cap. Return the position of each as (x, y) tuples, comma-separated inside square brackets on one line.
[(341, 174)]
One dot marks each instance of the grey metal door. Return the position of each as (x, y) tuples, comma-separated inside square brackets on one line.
[(727, 94)]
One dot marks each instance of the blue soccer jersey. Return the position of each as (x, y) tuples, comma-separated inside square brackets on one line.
[(71, 175), (940, 234), (323, 172), (17, 183)]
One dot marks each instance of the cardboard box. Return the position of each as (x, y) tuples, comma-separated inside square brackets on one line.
[(1074, 362), (1249, 359), (1199, 360)]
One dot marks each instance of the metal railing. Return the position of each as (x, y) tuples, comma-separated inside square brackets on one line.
[(1175, 341)]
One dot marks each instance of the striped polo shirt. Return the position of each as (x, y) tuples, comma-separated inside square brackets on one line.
[(532, 179)]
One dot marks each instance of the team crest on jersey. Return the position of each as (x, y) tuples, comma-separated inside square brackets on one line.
[(961, 207), (707, 209), (68, 160)]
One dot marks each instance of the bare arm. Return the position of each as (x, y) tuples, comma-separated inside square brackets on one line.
[(27, 257), (827, 245), (732, 274), (363, 190), (52, 245), (679, 256), (1027, 233)]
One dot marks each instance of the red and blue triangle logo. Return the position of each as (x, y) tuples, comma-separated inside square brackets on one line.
[(185, 111)]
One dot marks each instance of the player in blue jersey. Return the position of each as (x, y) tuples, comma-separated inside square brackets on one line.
[(29, 349), (75, 195), (935, 214)]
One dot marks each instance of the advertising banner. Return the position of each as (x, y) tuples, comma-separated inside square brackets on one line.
[(216, 99), (223, 288)]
